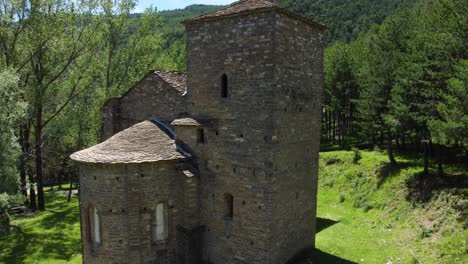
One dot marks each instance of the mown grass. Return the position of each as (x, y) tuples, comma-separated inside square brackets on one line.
[(366, 214), (52, 236), (375, 219)]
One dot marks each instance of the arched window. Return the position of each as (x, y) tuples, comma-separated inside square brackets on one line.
[(159, 223), (94, 225), (229, 206), (224, 86)]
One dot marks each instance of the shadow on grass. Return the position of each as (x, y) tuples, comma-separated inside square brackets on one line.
[(323, 223), (316, 256), (386, 170), (423, 187), (45, 236)]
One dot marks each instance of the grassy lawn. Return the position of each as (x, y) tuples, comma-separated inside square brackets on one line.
[(52, 236), (364, 216)]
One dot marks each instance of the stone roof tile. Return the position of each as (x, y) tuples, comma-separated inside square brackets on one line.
[(249, 6), (177, 80), (186, 122), (143, 142), (236, 8)]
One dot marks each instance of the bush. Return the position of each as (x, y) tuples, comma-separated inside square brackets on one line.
[(357, 155), (8, 201), (377, 149), (341, 198)]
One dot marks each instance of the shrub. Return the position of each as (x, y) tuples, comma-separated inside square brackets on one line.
[(8, 201), (341, 198), (377, 149), (357, 155)]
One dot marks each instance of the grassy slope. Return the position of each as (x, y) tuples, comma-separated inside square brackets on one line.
[(47, 237), (364, 217), (370, 220)]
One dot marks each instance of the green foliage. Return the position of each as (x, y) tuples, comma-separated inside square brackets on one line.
[(11, 110), (8, 201), (357, 155), (346, 20), (452, 124)]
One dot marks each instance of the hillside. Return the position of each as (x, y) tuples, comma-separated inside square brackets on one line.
[(345, 20), (370, 212)]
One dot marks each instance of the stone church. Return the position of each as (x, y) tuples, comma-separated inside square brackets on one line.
[(219, 164)]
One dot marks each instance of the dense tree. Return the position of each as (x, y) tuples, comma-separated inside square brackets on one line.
[(346, 20), (11, 110)]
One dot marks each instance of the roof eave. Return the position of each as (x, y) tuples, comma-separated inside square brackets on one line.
[(88, 162), (284, 11)]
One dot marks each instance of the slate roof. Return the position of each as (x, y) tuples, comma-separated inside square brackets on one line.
[(143, 142), (177, 80), (250, 6), (185, 122)]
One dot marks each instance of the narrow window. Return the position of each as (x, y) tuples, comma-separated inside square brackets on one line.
[(224, 86), (97, 229), (201, 136), (94, 228), (159, 223), (229, 203)]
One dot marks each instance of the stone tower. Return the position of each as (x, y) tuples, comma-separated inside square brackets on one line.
[(255, 71)]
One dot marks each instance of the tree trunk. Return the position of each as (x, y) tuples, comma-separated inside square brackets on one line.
[(397, 143), (333, 129), (70, 189), (390, 150), (466, 158), (440, 168), (26, 148), (426, 157), (381, 138), (38, 152), (403, 143), (24, 141)]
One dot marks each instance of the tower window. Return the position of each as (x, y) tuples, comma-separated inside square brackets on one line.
[(94, 225), (229, 206), (159, 223), (224, 86), (200, 136)]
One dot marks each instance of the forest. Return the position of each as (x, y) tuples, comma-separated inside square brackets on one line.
[(396, 77)]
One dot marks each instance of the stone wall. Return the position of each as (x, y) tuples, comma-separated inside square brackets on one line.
[(263, 147), (126, 197), (236, 157), (151, 97), (297, 115)]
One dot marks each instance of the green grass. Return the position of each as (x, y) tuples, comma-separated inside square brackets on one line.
[(365, 215), (370, 217), (52, 236)]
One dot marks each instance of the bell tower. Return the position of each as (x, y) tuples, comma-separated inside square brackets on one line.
[(255, 71)]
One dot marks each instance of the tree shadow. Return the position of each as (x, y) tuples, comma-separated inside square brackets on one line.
[(49, 235), (423, 187), (323, 223), (387, 170), (316, 256)]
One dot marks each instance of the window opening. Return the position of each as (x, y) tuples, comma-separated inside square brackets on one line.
[(229, 203), (201, 136), (224, 86)]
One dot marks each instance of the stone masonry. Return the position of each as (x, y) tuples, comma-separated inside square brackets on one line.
[(236, 156)]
